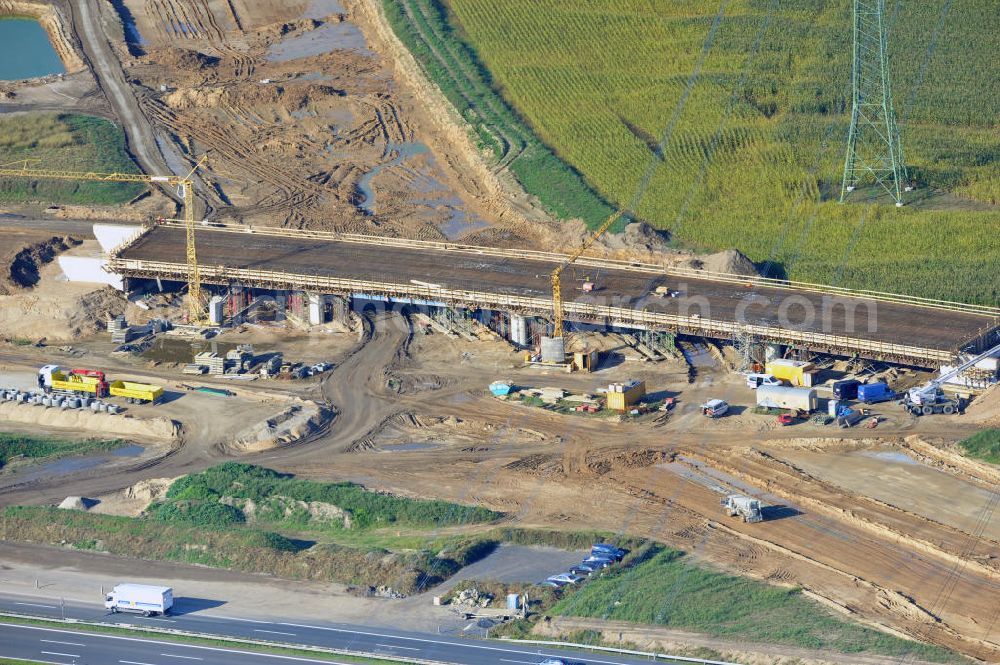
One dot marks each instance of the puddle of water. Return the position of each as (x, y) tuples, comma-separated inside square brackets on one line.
[(889, 456), (67, 465), (403, 447), (461, 223), (328, 37), (323, 8), (25, 50), (403, 152), (133, 38)]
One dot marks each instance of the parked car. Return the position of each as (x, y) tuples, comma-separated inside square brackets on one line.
[(605, 548), (597, 562), (757, 380), (553, 661), (582, 570), (590, 566), (714, 408), (566, 578)]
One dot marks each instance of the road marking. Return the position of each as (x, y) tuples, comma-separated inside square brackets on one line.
[(173, 655), (69, 644), (393, 646), (50, 607), (216, 616), (273, 632), (133, 662), (66, 655), (508, 660), (426, 640)]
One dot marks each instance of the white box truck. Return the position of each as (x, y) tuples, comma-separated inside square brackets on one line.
[(142, 598)]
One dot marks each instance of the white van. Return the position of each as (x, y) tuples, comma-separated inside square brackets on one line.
[(755, 381)]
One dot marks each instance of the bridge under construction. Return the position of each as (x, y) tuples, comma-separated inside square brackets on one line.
[(917, 331)]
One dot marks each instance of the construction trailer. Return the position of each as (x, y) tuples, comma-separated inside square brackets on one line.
[(623, 396), (787, 397), (737, 505), (138, 393), (586, 360), (795, 372)]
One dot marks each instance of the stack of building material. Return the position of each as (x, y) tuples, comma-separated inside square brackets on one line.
[(215, 363)]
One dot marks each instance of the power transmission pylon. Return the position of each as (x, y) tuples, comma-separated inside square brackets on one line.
[(873, 146)]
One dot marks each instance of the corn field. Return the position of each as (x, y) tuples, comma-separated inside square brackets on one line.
[(753, 160)]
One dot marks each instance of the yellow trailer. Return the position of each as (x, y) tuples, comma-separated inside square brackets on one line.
[(795, 372), (77, 384), (140, 392)]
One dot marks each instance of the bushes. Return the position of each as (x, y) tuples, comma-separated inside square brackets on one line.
[(367, 509), (205, 514), (985, 446)]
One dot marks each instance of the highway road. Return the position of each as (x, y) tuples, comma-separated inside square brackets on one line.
[(189, 614), (809, 311)]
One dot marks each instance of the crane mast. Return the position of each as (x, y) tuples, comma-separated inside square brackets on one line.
[(185, 191), (557, 304)]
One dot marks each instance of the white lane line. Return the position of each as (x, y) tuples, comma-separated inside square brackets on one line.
[(508, 660), (50, 607), (273, 632), (394, 646), (69, 644), (173, 655), (216, 616), (133, 662), (66, 655), (427, 640)]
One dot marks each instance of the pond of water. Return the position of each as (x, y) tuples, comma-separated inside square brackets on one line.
[(25, 50)]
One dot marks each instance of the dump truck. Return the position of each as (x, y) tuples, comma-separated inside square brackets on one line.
[(136, 393), (737, 505), (52, 377), (141, 598)]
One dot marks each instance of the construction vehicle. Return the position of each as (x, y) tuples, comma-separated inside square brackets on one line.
[(136, 393), (714, 408), (929, 398), (737, 505), (185, 191), (557, 303), (77, 382), (873, 393)]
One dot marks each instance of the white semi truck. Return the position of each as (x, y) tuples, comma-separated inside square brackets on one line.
[(142, 598)]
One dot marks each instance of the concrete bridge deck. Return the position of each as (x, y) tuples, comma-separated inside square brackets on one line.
[(883, 326)]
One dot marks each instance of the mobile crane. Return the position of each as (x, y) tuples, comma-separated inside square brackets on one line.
[(185, 191), (929, 398)]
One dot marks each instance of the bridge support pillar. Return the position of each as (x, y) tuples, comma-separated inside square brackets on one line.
[(519, 330), (317, 309), (773, 351)]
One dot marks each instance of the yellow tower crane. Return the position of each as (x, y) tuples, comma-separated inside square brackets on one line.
[(185, 190), (557, 303)]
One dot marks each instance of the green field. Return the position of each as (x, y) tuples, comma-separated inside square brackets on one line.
[(17, 447), (755, 157), (248, 518), (666, 589), (66, 142), (984, 446)]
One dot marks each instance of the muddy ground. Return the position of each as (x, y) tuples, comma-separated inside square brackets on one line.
[(851, 519)]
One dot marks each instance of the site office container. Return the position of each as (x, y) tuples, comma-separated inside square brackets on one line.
[(621, 396), (787, 397), (796, 372)]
